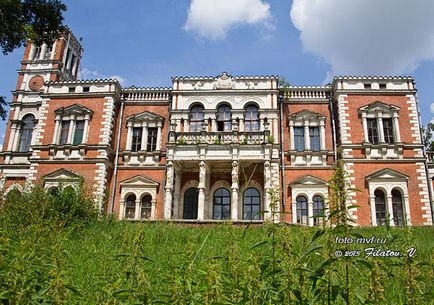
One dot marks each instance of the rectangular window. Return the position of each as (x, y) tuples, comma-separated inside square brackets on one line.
[(152, 139), (68, 53), (78, 133), (137, 139), (372, 131), (64, 131), (37, 53), (388, 131), (299, 138), (314, 138), (47, 55)]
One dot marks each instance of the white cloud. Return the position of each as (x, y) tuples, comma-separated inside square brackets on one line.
[(93, 74), (212, 19), (384, 37)]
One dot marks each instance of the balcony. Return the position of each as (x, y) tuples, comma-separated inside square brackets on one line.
[(223, 137)]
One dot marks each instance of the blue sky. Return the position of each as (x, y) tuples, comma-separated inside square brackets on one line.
[(145, 43)]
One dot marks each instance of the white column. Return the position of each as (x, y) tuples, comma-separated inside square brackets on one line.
[(213, 125), (71, 131), (306, 136), (186, 125), (16, 139), (43, 51), (396, 128), (261, 126), (56, 131), (365, 127), (85, 131), (168, 188), (390, 210), (32, 52), (12, 136), (129, 136), (373, 215), (322, 135), (178, 125), (144, 143), (291, 135), (234, 187), (153, 205), (201, 187), (294, 211), (241, 125), (407, 210), (310, 213), (53, 49), (158, 146), (267, 187), (138, 209), (122, 209), (178, 176), (380, 129)]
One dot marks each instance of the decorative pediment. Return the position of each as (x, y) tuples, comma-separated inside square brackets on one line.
[(145, 116), (379, 107), (224, 81), (75, 109), (306, 115), (139, 181), (386, 175), (308, 180), (62, 175)]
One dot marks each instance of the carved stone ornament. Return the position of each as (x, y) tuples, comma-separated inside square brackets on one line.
[(224, 82)]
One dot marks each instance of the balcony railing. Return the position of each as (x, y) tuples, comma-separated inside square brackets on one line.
[(221, 137)]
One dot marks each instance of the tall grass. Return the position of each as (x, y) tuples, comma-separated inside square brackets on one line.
[(51, 258)]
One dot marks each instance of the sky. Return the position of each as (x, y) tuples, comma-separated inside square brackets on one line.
[(307, 42)]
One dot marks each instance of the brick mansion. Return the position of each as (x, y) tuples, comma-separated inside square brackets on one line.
[(212, 148)]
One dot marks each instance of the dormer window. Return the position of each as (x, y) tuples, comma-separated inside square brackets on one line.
[(72, 125)]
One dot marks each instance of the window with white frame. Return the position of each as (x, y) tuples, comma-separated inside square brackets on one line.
[(308, 206), (138, 198), (307, 131), (388, 198), (72, 125), (380, 123), (26, 132), (144, 132)]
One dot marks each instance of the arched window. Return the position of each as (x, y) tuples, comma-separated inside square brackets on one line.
[(380, 207), (398, 209), (251, 204), (251, 120), (146, 207), (222, 204), (14, 195), (130, 207), (318, 210), (26, 132), (196, 118), (224, 122), (302, 210), (190, 203), (53, 191)]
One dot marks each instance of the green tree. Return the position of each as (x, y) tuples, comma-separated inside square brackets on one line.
[(3, 106), (427, 136), (37, 20)]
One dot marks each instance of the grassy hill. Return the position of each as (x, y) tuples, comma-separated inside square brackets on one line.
[(72, 257)]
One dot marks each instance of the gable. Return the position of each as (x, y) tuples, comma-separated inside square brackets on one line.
[(379, 106), (306, 115), (62, 175), (307, 181), (75, 109), (387, 174), (139, 181), (145, 116)]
